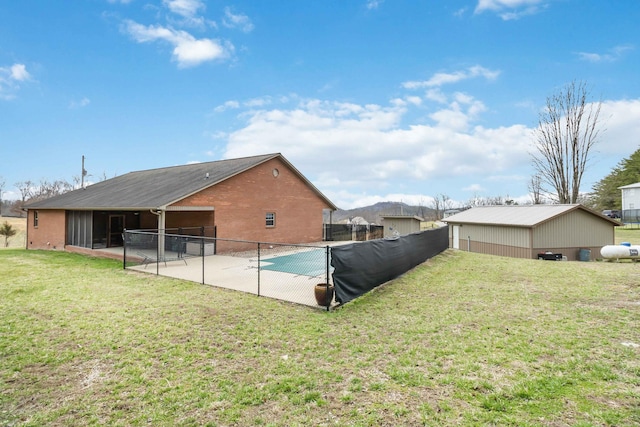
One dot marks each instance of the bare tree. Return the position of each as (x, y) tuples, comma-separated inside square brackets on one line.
[(2, 182), (440, 204), (535, 189), (48, 189), (491, 201), (30, 191), (25, 188), (568, 128)]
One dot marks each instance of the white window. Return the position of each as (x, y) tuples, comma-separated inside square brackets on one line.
[(271, 219)]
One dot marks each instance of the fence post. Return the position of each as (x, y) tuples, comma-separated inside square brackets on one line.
[(202, 252), (158, 252), (124, 249), (326, 264), (258, 268)]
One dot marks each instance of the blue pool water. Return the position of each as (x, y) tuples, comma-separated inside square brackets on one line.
[(310, 263)]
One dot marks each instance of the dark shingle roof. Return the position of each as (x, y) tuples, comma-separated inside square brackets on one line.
[(155, 188)]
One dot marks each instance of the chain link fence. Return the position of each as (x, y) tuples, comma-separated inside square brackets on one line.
[(631, 218), (286, 272)]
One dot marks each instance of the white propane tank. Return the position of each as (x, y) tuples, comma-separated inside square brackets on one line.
[(624, 251)]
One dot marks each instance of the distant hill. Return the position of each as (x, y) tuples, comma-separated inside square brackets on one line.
[(373, 214)]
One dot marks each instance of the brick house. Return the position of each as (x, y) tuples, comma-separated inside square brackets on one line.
[(260, 198)]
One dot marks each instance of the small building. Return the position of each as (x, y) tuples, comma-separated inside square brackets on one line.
[(399, 225), (357, 220), (450, 212), (526, 231), (259, 198), (630, 203)]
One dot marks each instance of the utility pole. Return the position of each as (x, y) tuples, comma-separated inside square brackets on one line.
[(83, 174)]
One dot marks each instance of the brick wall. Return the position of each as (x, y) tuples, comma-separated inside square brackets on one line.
[(188, 219), (50, 232), (242, 202)]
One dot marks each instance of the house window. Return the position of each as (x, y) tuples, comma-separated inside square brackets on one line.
[(35, 219), (271, 219), (631, 206)]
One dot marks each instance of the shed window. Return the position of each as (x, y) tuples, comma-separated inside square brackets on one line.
[(35, 219), (271, 219)]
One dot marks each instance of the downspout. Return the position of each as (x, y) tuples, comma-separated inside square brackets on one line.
[(26, 243), (160, 213)]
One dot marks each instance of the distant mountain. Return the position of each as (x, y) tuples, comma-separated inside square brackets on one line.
[(373, 214)]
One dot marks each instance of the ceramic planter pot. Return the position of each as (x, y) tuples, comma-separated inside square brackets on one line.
[(324, 294)]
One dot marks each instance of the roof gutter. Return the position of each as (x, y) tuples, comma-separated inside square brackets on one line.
[(160, 213)]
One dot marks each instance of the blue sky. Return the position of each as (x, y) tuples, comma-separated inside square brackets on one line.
[(372, 100)]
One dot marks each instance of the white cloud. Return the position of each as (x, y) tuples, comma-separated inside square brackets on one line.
[(474, 188), (19, 72), (240, 21), (189, 11), (460, 12), (187, 50), (227, 106), (440, 79), (344, 147), (620, 124), (511, 9), (10, 77), (436, 95), (373, 4), (258, 102), (612, 55), (184, 8), (366, 145), (415, 100), (79, 104)]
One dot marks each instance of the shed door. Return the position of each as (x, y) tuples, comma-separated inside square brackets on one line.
[(456, 237)]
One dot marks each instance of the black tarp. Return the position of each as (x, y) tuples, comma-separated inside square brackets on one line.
[(360, 267)]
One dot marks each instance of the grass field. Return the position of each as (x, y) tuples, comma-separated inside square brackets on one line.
[(20, 225), (464, 339), (629, 234)]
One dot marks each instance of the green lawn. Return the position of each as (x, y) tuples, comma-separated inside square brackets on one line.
[(464, 339), (629, 233)]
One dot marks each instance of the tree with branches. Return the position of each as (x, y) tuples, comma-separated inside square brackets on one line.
[(7, 231), (606, 192), (568, 128), (1, 190), (535, 190), (440, 204)]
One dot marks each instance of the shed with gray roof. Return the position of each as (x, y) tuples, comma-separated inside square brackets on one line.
[(529, 230)]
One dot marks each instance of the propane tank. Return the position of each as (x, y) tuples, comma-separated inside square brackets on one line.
[(624, 251)]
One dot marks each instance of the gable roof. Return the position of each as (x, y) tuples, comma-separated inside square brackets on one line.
[(635, 185), (413, 217), (158, 188), (517, 216)]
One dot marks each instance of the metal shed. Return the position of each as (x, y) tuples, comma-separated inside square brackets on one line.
[(399, 225), (571, 231)]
